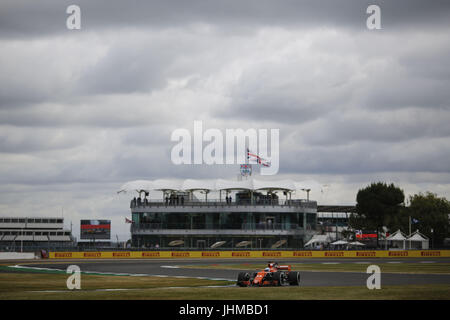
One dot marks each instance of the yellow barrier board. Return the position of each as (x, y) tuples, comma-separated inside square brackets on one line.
[(249, 254)]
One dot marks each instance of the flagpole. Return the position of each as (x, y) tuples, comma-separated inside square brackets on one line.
[(409, 232)]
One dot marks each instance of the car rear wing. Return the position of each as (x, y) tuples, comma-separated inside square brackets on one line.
[(286, 268)]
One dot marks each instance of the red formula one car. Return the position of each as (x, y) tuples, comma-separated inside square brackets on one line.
[(273, 275)]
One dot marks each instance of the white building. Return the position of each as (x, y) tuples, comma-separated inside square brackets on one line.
[(27, 232)]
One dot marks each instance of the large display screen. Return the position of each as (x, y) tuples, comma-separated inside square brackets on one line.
[(95, 229)]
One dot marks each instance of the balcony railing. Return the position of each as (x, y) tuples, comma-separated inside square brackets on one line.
[(214, 226), (215, 202)]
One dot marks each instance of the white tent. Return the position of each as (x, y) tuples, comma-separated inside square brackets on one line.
[(397, 239), (397, 236), (420, 240), (318, 238)]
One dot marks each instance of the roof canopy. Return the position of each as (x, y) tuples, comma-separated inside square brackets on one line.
[(165, 185), (216, 185), (192, 185), (417, 236), (137, 186), (397, 236), (286, 185), (222, 184)]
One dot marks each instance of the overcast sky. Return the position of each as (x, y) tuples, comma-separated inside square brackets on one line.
[(84, 111)]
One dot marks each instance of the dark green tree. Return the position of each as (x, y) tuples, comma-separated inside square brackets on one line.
[(377, 205), (431, 213)]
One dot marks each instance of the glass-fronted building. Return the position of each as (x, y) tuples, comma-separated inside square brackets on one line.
[(247, 214)]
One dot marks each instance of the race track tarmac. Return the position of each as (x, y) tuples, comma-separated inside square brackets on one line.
[(308, 278)]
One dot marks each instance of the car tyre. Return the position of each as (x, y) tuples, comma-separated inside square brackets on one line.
[(276, 276), (294, 278), (242, 276)]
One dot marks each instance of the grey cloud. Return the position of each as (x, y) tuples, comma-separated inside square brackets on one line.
[(126, 69), (25, 18), (27, 140), (82, 112), (419, 155), (340, 128)]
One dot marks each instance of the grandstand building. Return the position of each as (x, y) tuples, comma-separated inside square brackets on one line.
[(219, 214), (29, 233)]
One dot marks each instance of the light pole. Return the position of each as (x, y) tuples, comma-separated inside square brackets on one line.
[(432, 238), (410, 232)]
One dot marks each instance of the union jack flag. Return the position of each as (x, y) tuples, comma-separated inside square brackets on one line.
[(257, 159), (128, 220)]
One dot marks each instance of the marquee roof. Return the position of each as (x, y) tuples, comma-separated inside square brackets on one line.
[(216, 185), (396, 236), (417, 236)]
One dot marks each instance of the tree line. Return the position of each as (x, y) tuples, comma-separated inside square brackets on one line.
[(381, 207)]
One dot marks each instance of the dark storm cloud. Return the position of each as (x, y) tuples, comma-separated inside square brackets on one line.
[(384, 126), (127, 68), (420, 155), (32, 18), (82, 112)]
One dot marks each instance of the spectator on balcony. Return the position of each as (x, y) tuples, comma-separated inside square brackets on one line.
[(182, 200)]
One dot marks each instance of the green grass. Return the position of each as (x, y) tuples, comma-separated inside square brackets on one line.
[(420, 268), (20, 286)]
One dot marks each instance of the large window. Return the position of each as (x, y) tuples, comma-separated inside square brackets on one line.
[(223, 220), (311, 220)]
